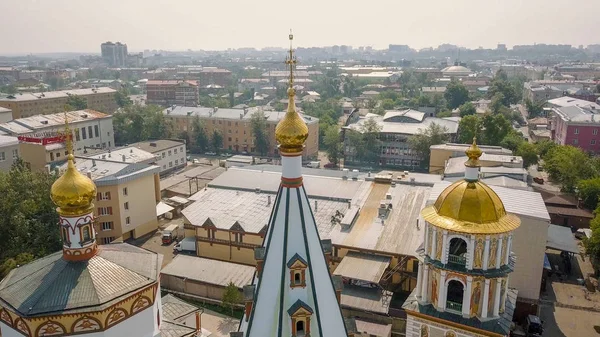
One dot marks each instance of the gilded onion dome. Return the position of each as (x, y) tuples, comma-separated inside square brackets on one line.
[(73, 192), (470, 205), (291, 131)]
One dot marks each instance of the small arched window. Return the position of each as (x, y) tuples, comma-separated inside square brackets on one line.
[(86, 233)]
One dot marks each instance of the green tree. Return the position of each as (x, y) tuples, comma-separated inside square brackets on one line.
[(135, 123), (122, 98), (216, 141), (544, 147), (333, 145), (501, 85), (528, 152), (467, 109), (512, 141), (592, 245), (29, 222), (199, 135), (495, 128), (75, 102), (497, 103), (388, 104), (534, 108), (456, 94), (258, 121), (8, 89), (468, 128), (568, 165), (589, 192), (231, 297), (434, 134), (364, 142)]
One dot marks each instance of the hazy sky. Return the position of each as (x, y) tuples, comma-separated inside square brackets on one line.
[(30, 26)]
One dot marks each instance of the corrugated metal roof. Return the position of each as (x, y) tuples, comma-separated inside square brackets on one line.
[(561, 238), (366, 299), (364, 267), (53, 285), (373, 329), (209, 271), (174, 308)]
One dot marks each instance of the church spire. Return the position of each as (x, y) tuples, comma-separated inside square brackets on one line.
[(293, 293), (74, 193)]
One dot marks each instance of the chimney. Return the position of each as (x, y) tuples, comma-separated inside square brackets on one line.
[(316, 205), (248, 300), (338, 285), (124, 158), (259, 256), (198, 322), (268, 200), (89, 174), (93, 162)]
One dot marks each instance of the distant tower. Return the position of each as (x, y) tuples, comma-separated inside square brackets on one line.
[(293, 293), (85, 290), (462, 286)]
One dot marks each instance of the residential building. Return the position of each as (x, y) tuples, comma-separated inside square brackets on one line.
[(566, 210), (114, 54), (396, 127), (170, 154), (9, 152), (214, 75), (463, 286), (85, 289), (126, 197), (172, 92), (439, 154), (567, 101), (235, 125), (536, 92), (50, 102), (433, 91), (577, 126), (127, 154), (42, 141)]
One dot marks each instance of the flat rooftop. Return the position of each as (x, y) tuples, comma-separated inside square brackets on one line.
[(209, 271), (230, 113), (462, 147), (40, 122), (129, 154), (57, 94), (105, 172), (159, 145)]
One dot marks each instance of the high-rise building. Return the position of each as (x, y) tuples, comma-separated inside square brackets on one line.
[(465, 260), (85, 289), (293, 292), (115, 54)]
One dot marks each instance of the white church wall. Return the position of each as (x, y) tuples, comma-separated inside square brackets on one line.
[(7, 331)]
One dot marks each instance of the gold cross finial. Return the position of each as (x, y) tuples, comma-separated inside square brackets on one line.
[(291, 61), (68, 135)]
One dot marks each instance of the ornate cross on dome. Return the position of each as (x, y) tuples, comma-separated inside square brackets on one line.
[(68, 135), (291, 61)]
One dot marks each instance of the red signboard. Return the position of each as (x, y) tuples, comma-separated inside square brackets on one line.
[(42, 140)]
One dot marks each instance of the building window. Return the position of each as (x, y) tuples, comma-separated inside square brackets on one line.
[(164, 167), (127, 221), (77, 134), (210, 233), (239, 237), (90, 131), (103, 196), (96, 133), (57, 154), (2, 156), (593, 142), (106, 226), (126, 205), (595, 131), (576, 131), (15, 153), (125, 191), (107, 240), (169, 153), (83, 133), (175, 151), (86, 233), (104, 210), (163, 154), (181, 149), (575, 141)]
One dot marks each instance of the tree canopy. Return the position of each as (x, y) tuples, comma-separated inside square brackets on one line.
[(467, 109), (231, 297), (333, 145), (568, 165), (75, 102), (136, 123), (432, 135), (258, 123), (365, 142), (456, 94)]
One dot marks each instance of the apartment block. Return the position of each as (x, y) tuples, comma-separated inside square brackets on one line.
[(170, 155), (213, 75), (45, 103), (42, 141), (172, 92), (9, 152), (114, 54), (577, 126), (235, 125), (126, 199)]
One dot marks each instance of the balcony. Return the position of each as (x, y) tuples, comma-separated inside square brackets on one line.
[(457, 260), (453, 306)]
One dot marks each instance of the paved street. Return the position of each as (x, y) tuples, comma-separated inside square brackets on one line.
[(153, 241)]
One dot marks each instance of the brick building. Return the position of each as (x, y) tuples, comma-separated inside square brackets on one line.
[(172, 92)]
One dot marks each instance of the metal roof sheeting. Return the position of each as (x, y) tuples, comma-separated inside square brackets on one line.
[(561, 238), (209, 271), (363, 267)]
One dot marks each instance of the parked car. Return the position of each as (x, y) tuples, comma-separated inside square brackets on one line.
[(329, 165), (210, 153), (538, 180)]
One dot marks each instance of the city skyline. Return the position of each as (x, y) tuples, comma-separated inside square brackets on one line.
[(186, 25)]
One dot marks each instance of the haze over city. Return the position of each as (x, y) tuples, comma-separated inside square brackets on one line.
[(78, 26)]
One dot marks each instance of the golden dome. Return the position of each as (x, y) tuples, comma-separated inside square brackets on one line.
[(73, 192), (291, 132)]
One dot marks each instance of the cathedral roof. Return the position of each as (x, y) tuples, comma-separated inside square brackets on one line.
[(52, 285)]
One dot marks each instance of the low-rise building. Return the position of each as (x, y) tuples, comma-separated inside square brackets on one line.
[(42, 142), (396, 127), (442, 152), (9, 152), (126, 198), (170, 154), (235, 125), (5, 115), (50, 102), (172, 92), (577, 126), (433, 91), (566, 101)]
